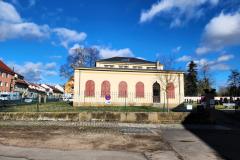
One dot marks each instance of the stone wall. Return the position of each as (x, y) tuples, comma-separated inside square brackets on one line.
[(131, 117)]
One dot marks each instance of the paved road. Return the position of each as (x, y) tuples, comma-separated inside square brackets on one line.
[(196, 142), (17, 153), (209, 144)]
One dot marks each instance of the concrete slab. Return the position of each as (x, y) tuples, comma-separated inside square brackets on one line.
[(11, 158), (162, 155), (188, 145)]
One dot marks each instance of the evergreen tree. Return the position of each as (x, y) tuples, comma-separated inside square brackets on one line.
[(234, 83), (191, 80)]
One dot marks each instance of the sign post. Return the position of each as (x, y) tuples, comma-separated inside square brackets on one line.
[(107, 99)]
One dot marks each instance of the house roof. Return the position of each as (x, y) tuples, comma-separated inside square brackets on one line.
[(36, 87), (55, 89), (21, 81), (129, 70), (125, 59), (5, 68)]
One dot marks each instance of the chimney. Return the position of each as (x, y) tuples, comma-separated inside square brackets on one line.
[(158, 66)]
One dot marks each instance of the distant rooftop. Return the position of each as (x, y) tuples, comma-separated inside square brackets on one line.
[(125, 59), (5, 68)]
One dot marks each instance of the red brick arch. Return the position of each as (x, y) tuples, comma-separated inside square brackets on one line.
[(105, 88), (122, 89), (90, 88), (139, 90)]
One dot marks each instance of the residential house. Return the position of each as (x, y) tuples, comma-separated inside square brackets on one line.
[(69, 87), (34, 90), (21, 86), (52, 92), (7, 76), (59, 87)]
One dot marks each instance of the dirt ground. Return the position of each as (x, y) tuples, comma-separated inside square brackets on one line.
[(75, 138)]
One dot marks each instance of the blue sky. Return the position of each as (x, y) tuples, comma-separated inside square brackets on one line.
[(37, 35)]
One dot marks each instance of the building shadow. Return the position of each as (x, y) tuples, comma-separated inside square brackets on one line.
[(221, 130)]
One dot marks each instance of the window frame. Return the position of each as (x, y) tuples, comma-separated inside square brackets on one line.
[(122, 93), (103, 92), (90, 93), (138, 92)]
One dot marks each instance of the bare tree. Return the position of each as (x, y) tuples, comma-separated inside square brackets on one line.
[(223, 91), (205, 81), (167, 77), (79, 57)]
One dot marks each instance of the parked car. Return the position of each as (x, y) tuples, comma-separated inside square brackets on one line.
[(67, 99), (5, 97), (28, 100)]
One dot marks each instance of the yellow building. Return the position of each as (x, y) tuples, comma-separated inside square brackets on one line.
[(69, 86), (128, 81)]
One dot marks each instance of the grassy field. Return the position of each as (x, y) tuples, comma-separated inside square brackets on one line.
[(66, 107)]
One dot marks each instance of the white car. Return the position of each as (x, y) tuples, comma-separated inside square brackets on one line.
[(4, 97), (28, 100), (68, 99)]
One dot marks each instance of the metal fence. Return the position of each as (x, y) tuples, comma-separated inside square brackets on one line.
[(128, 98), (19, 102)]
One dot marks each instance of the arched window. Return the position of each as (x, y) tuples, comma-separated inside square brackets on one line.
[(170, 90), (122, 89), (90, 88), (140, 90), (105, 88)]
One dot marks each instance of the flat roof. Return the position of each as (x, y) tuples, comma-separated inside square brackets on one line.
[(124, 60), (128, 70)]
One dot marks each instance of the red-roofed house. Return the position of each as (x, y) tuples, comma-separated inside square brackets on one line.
[(6, 78)]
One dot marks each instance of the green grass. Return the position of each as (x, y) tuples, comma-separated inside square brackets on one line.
[(223, 107), (65, 107)]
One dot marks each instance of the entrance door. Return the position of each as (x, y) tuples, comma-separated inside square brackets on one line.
[(156, 93)]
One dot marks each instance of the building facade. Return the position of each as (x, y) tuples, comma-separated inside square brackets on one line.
[(69, 86), (121, 81), (7, 77)]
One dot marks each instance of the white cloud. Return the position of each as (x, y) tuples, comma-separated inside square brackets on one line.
[(225, 57), (68, 36), (22, 30), (180, 10), (51, 73), (35, 72), (222, 31), (8, 13), (108, 52), (50, 66), (31, 71), (12, 26), (177, 49), (220, 67), (215, 65), (184, 58), (201, 62), (104, 52), (71, 51)]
